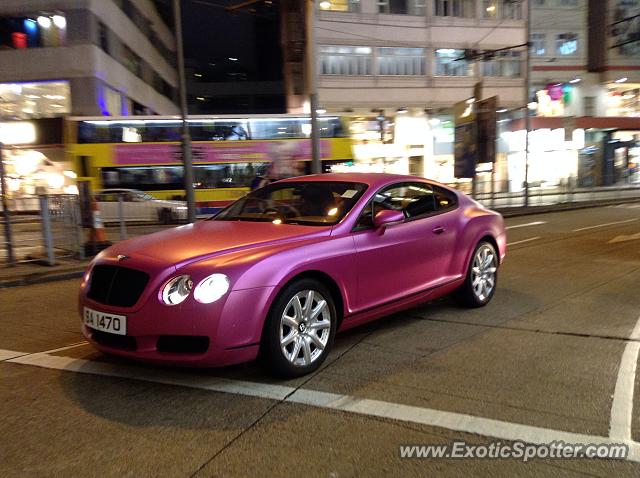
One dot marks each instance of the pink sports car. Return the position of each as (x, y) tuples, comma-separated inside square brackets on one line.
[(279, 271)]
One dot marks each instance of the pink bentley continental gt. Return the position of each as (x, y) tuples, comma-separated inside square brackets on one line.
[(279, 271)]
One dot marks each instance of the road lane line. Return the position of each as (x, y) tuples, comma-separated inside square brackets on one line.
[(9, 354), (343, 403), (215, 384), (537, 223), (72, 346), (622, 405), (604, 225), (523, 241)]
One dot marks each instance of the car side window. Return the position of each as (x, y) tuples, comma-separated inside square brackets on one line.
[(415, 200), (444, 199)]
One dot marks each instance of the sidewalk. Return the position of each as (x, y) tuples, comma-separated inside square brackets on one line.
[(34, 273)]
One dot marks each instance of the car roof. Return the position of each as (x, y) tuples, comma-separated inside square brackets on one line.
[(371, 179)]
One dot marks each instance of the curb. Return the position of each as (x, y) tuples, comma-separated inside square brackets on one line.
[(41, 277)]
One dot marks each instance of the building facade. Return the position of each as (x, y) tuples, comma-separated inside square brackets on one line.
[(85, 57)]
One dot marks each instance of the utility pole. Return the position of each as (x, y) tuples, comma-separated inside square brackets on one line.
[(312, 88), (187, 158), (527, 117)]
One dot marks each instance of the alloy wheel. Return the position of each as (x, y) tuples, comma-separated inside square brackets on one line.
[(305, 328), (483, 272)]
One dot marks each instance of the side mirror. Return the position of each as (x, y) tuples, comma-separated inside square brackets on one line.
[(387, 217)]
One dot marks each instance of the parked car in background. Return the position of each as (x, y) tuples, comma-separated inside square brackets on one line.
[(138, 206)]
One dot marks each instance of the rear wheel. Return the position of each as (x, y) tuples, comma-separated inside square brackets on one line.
[(300, 329), (482, 277)]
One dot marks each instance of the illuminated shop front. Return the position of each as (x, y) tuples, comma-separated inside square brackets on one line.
[(33, 158), (35, 99), (623, 99)]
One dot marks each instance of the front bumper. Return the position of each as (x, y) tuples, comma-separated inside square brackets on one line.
[(225, 332)]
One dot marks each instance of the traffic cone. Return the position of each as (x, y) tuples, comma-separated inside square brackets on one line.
[(97, 240)]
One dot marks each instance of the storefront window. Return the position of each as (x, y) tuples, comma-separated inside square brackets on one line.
[(32, 100)]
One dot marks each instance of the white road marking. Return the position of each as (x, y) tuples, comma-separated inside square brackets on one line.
[(523, 241), (604, 225), (537, 223), (624, 238), (9, 354), (622, 406), (72, 346), (345, 403)]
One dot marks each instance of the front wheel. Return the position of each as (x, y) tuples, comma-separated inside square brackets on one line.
[(300, 329), (482, 277)]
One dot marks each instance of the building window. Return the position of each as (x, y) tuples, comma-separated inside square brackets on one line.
[(538, 44), (345, 60), (512, 10), (538, 3), (341, 6), (36, 99), (455, 8), (398, 7), (489, 9), (567, 44), (567, 3), (103, 37), (401, 61), (506, 64), (131, 61), (33, 32), (402, 7), (446, 64)]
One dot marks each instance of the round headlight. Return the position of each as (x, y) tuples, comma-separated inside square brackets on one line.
[(177, 290), (211, 288)]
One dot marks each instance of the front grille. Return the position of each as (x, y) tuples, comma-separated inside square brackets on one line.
[(122, 342), (183, 344), (115, 285)]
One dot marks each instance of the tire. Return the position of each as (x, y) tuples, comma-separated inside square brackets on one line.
[(482, 277), (308, 338)]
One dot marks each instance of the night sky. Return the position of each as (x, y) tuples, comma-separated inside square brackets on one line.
[(212, 35)]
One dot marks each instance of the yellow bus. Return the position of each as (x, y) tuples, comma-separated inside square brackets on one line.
[(230, 153)]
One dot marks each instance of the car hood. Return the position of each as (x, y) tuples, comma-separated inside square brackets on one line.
[(205, 239)]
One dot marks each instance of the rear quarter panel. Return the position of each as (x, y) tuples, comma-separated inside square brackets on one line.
[(478, 222)]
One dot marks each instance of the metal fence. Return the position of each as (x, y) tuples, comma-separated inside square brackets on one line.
[(52, 231)]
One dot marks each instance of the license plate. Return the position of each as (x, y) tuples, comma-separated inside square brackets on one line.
[(105, 322)]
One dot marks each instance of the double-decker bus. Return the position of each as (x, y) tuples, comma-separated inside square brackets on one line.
[(229, 152)]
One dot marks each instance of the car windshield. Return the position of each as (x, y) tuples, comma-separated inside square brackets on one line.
[(316, 203)]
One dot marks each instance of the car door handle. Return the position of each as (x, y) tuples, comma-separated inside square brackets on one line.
[(438, 230)]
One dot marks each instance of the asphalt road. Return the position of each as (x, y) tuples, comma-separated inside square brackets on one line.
[(552, 358)]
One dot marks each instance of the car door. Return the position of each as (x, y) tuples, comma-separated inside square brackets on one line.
[(408, 257)]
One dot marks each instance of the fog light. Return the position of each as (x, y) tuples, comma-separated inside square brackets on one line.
[(211, 288), (177, 290)]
